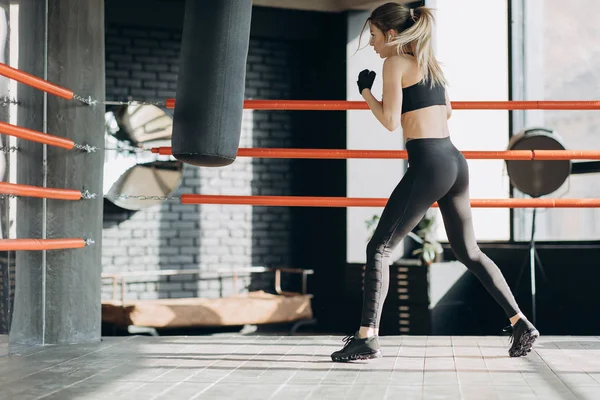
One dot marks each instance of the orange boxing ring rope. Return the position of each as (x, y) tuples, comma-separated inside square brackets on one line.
[(330, 105), (309, 201), (303, 201), (402, 154), (39, 192), (39, 137), (35, 82), (42, 244), (35, 136)]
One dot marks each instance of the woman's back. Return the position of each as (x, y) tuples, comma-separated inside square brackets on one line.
[(426, 122)]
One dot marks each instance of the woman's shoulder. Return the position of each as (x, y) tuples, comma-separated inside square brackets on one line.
[(403, 61)]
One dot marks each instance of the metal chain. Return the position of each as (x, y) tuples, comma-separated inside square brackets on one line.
[(89, 242), (85, 147), (89, 101), (86, 195), (6, 101), (135, 102), (129, 149), (7, 196), (124, 149), (127, 196), (8, 149)]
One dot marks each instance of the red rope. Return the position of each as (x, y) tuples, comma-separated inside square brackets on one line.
[(309, 201), (40, 244), (401, 154), (35, 82), (35, 136), (39, 192), (329, 105)]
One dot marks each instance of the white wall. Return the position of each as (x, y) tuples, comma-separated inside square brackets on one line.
[(472, 43)]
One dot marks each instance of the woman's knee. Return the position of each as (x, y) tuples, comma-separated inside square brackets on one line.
[(468, 256), (376, 249)]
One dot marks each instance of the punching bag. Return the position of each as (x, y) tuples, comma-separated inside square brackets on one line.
[(207, 120)]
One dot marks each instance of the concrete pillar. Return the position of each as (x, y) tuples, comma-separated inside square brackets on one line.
[(57, 298), (6, 257)]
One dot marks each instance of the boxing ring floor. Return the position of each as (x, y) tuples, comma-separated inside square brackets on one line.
[(235, 366)]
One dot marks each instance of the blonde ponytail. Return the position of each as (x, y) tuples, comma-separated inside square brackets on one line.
[(415, 28)]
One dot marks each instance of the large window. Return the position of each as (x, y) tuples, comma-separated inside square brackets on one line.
[(475, 57), (556, 56)]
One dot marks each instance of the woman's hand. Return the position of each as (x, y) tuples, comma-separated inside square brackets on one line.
[(365, 80)]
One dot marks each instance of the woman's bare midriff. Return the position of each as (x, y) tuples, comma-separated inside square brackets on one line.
[(430, 122)]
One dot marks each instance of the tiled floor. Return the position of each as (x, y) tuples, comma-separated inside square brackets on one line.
[(299, 367)]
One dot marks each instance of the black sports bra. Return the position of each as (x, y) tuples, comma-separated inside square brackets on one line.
[(421, 95)]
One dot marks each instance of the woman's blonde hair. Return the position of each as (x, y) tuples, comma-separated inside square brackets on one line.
[(414, 27)]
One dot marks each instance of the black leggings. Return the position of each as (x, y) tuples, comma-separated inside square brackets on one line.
[(437, 172)]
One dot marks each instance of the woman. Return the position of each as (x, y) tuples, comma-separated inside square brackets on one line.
[(415, 98)]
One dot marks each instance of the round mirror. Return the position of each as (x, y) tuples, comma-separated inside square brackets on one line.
[(537, 177), (130, 168)]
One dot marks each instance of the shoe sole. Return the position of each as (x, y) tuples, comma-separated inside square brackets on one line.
[(525, 344), (354, 357)]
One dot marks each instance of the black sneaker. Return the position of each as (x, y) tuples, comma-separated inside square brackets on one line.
[(357, 349), (523, 335)]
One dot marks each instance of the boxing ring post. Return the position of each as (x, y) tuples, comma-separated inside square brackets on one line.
[(57, 292)]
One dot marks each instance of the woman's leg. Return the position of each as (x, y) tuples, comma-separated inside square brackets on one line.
[(458, 221), (406, 206)]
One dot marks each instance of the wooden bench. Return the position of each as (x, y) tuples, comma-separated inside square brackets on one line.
[(253, 308)]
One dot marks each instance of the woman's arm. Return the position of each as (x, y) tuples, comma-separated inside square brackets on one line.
[(388, 112)]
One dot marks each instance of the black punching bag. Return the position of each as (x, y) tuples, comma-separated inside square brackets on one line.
[(207, 120)]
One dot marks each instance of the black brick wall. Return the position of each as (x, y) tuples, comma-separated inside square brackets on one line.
[(142, 63), (289, 58)]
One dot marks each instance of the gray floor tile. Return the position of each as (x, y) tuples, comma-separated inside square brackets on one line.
[(290, 368)]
